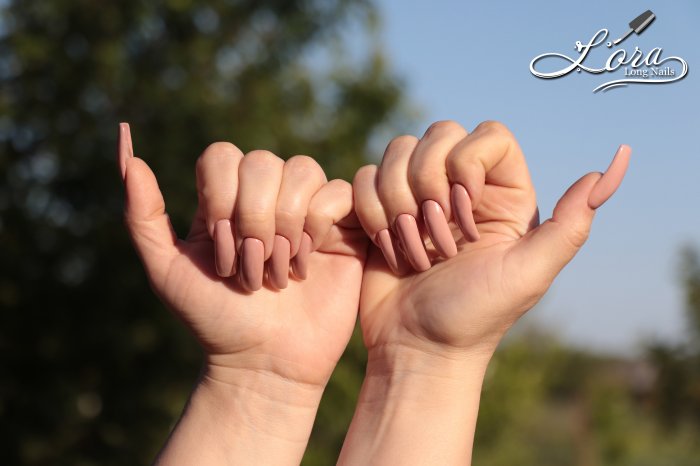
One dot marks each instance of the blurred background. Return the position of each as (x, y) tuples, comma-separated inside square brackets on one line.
[(94, 370)]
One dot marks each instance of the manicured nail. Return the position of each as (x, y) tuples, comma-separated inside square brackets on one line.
[(300, 263), (278, 269), (126, 150), (407, 228), (438, 229), (611, 179), (392, 253), (252, 261), (224, 248), (463, 215)]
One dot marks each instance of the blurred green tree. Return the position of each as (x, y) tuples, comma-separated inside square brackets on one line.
[(94, 370)]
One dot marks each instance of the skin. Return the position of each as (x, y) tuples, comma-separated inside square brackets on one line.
[(268, 355), (430, 335)]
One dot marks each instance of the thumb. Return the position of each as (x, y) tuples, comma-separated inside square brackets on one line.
[(144, 212), (545, 250)]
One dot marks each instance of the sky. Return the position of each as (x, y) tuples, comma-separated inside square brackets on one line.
[(470, 61)]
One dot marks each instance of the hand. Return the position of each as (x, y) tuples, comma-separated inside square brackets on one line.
[(268, 345), (430, 335)]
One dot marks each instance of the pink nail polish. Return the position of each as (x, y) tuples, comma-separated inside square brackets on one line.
[(125, 150), (463, 215), (383, 240), (407, 229), (278, 269), (224, 248), (300, 263), (611, 179), (252, 262), (438, 229)]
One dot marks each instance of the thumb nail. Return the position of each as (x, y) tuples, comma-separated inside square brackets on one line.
[(611, 179)]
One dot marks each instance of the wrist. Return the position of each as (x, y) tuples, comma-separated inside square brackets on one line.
[(416, 407), (240, 416)]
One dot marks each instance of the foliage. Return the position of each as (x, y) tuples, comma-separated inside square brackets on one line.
[(95, 371)]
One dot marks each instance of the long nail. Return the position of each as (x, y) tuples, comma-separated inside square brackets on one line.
[(278, 269), (407, 228), (438, 229), (464, 217), (393, 255), (224, 248), (611, 179), (252, 261), (126, 150), (300, 263)]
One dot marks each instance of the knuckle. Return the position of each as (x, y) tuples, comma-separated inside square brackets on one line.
[(366, 172), (304, 166), (219, 150), (494, 127), (261, 157), (444, 126), (400, 143)]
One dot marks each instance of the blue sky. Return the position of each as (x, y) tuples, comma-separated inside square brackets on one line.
[(470, 62)]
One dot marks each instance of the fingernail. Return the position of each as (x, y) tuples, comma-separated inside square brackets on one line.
[(125, 150), (464, 217), (279, 262), (407, 228), (300, 263), (611, 179), (438, 229), (252, 261), (224, 248), (386, 245)]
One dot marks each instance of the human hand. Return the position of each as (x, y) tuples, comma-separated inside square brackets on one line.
[(430, 335), (269, 353)]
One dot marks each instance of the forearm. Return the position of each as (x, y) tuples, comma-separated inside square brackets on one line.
[(243, 418), (415, 408)]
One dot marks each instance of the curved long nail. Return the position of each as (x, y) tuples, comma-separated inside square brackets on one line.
[(438, 229), (463, 215), (300, 262), (278, 269), (125, 150), (611, 179), (252, 261), (224, 248), (407, 229), (392, 254)]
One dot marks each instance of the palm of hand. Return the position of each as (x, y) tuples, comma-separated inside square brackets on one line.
[(465, 302), (298, 333)]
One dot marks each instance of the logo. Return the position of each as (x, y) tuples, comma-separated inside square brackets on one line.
[(636, 67)]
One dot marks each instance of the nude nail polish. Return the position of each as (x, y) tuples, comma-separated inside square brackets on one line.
[(224, 248), (383, 240), (407, 229), (463, 215), (125, 150), (438, 229), (278, 269), (611, 179), (252, 262), (300, 262)]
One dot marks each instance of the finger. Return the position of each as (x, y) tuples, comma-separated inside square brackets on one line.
[(396, 197), (144, 213), (489, 155), (259, 179), (217, 186), (371, 215), (427, 175), (549, 247), (302, 177)]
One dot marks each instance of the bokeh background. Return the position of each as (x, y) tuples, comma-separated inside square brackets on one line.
[(94, 370)]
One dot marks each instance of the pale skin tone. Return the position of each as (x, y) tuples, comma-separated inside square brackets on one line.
[(430, 327)]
